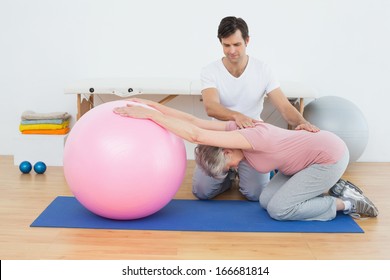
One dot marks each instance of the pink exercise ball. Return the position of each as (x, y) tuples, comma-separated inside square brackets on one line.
[(122, 168)]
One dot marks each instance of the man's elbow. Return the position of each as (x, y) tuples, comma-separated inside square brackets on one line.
[(209, 111)]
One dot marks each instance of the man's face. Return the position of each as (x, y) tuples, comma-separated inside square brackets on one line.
[(234, 47)]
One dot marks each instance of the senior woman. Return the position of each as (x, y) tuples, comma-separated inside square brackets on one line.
[(309, 164)]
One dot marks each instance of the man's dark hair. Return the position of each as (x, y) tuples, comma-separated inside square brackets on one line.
[(229, 25)]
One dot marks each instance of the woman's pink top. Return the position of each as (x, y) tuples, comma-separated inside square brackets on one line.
[(289, 151)]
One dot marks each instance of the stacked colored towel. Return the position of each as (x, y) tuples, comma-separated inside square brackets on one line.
[(44, 123)]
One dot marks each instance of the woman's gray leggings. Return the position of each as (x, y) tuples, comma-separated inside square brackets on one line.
[(300, 196)]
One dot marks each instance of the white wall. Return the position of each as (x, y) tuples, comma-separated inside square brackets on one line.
[(339, 47)]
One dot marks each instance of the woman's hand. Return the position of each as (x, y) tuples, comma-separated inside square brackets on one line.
[(136, 111), (146, 102), (308, 127)]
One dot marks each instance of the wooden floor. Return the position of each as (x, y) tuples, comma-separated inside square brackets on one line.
[(24, 196)]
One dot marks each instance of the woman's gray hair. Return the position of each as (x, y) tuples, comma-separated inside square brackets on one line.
[(212, 160)]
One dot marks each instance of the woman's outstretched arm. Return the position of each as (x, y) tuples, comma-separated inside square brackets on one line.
[(168, 111), (187, 126)]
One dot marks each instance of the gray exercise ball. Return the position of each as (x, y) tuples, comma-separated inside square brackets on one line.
[(341, 117)]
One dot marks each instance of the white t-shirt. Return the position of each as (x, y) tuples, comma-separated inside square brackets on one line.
[(244, 94)]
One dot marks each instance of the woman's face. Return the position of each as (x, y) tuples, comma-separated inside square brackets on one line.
[(233, 159)]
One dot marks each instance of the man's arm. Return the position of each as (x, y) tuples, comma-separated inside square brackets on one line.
[(215, 109), (289, 112)]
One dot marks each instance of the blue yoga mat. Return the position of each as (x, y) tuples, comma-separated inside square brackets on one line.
[(190, 215)]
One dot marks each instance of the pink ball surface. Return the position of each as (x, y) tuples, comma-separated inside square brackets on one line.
[(122, 168)]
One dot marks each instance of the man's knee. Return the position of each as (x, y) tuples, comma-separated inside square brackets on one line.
[(251, 182), (252, 191), (201, 192), (208, 188), (251, 196)]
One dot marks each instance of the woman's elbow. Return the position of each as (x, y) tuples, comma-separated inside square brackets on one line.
[(196, 137), (192, 136)]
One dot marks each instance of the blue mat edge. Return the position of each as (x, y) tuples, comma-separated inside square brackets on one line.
[(344, 221)]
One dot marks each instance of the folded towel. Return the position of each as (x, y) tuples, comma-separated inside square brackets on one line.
[(53, 121), (45, 126), (31, 115), (47, 131)]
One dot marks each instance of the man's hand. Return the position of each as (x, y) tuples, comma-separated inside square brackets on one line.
[(243, 121)]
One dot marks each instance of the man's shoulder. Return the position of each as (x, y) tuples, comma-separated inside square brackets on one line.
[(258, 62), (212, 65), (212, 68)]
